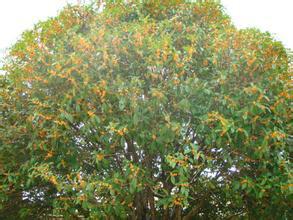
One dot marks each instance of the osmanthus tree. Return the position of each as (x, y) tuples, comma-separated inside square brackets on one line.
[(145, 110)]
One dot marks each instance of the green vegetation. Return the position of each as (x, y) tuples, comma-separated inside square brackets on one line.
[(146, 109)]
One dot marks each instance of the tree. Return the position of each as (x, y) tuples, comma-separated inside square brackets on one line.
[(159, 109)]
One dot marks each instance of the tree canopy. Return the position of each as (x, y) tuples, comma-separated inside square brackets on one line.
[(145, 110)]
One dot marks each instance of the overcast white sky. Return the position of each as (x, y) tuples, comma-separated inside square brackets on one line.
[(275, 16)]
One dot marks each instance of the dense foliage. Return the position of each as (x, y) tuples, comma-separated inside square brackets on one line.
[(159, 109)]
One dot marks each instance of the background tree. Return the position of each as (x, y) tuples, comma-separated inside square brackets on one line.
[(159, 109)]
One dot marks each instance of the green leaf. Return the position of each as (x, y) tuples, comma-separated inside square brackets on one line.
[(133, 184), (184, 104)]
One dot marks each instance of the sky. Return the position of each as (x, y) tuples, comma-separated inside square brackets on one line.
[(275, 16)]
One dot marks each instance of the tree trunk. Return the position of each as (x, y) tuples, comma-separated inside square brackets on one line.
[(152, 205), (178, 213)]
